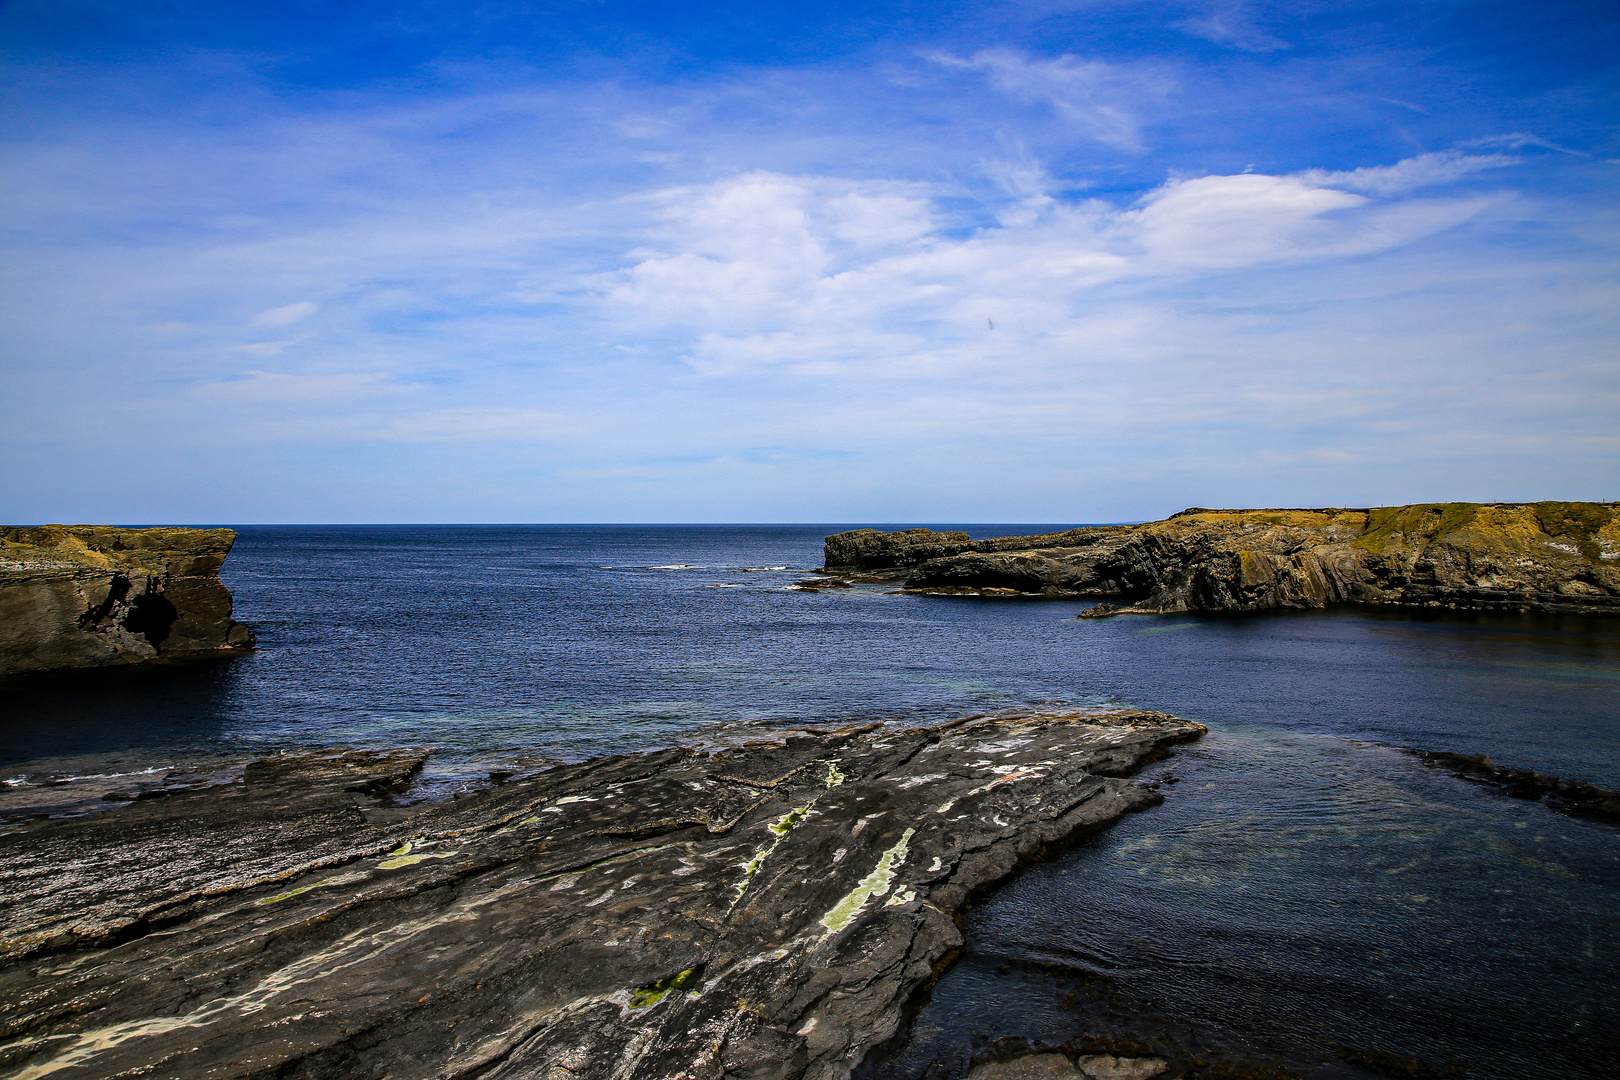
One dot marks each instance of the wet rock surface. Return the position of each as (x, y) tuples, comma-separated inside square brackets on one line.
[(1056, 1066), (765, 911), (1573, 797), (1551, 557), (88, 596)]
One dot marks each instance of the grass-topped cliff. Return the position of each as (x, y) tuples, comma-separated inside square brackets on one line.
[(1544, 556)]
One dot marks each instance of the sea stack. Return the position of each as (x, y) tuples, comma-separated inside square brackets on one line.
[(92, 596)]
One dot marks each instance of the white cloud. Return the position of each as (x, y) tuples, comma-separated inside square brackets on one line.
[(1232, 221), (284, 316), (1425, 170), (1101, 100), (756, 271), (1231, 24)]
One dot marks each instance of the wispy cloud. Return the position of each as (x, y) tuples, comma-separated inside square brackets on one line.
[(262, 348), (261, 388), (1424, 170), (1519, 139), (1101, 100), (284, 316), (946, 277), (1398, 103), (1233, 25)]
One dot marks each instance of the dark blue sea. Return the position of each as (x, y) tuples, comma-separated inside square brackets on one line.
[(1307, 896)]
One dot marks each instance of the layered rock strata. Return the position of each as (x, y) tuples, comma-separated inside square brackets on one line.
[(762, 912), (87, 596), (1555, 557)]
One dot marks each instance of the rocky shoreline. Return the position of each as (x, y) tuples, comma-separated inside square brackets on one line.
[(93, 596), (1521, 557), (762, 912)]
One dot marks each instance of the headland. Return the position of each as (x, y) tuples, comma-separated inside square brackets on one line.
[(1544, 557), (93, 596)]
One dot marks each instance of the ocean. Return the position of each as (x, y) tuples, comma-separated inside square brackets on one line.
[(1307, 896)]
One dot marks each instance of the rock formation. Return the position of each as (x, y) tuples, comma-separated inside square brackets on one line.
[(1056, 1066), (1573, 797), (87, 596), (1547, 556), (763, 912)]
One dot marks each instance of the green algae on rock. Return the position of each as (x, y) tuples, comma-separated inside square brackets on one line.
[(89, 596)]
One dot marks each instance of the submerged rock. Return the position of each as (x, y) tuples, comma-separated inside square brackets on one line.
[(1056, 1066), (1028, 1067), (91, 596), (1555, 557), (1573, 797), (762, 912)]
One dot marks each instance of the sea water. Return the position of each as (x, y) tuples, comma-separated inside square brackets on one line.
[(1307, 895)]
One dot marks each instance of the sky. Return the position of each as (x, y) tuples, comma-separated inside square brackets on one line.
[(604, 261)]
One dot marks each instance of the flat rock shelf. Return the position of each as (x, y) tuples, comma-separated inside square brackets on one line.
[(765, 911)]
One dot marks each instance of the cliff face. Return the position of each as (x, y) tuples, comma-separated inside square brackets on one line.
[(86, 596), (1547, 556)]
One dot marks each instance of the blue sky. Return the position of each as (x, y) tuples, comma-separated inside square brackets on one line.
[(356, 261)]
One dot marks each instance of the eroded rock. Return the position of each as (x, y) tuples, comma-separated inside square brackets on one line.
[(87, 596), (1052, 1065), (1028, 1067), (1555, 557), (1112, 1067), (764, 912)]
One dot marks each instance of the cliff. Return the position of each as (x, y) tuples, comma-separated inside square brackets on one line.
[(761, 913), (87, 596), (1546, 556)]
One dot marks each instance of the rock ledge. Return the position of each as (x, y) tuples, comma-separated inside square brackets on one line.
[(764, 912)]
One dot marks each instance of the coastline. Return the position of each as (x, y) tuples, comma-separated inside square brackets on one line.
[(1517, 687)]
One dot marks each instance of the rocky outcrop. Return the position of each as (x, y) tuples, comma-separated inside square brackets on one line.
[(1557, 557), (1573, 797), (87, 596), (762, 912)]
